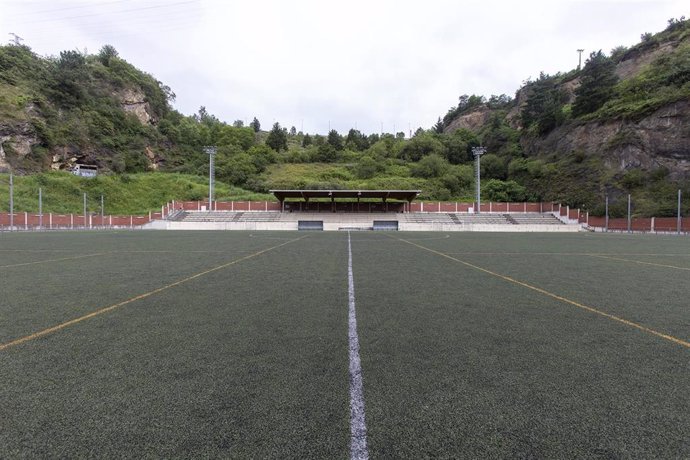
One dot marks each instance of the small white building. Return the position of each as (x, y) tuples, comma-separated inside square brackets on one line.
[(84, 170)]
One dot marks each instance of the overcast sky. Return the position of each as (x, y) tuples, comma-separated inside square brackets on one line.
[(356, 63)]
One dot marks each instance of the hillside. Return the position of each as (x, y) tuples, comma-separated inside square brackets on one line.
[(123, 193), (619, 125)]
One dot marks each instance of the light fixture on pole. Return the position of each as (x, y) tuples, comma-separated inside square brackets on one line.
[(211, 151), (478, 152)]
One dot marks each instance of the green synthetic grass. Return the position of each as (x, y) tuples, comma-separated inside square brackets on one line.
[(251, 360)]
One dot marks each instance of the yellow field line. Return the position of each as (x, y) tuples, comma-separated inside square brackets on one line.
[(557, 297), (639, 262), (53, 260), (101, 311)]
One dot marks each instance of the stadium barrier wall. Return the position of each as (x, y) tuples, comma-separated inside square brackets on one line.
[(52, 221)]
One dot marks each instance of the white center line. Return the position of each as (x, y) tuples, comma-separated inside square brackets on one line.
[(358, 426)]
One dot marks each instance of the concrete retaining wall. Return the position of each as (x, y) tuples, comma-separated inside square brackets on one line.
[(335, 226)]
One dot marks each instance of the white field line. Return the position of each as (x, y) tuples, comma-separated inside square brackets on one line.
[(358, 427)]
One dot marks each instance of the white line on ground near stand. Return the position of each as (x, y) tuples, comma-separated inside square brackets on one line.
[(358, 427)]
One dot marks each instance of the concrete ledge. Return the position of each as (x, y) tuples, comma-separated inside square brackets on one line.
[(336, 226)]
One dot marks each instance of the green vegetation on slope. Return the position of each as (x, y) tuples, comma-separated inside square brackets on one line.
[(123, 193)]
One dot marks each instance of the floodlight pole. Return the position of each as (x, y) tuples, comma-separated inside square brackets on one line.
[(579, 59), (102, 213), (211, 151), (84, 209), (478, 152), (11, 202)]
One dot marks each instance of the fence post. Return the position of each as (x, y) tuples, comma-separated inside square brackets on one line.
[(629, 217), (679, 224), (652, 230), (131, 221)]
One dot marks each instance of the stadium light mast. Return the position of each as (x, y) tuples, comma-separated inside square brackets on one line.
[(211, 151), (478, 152), (579, 58)]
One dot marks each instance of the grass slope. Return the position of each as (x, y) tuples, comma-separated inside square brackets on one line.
[(123, 194)]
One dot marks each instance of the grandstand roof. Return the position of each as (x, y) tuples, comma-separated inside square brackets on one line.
[(405, 195)]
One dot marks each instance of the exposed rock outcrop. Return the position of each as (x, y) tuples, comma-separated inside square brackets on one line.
[(473, 121), (15, 139), (134, 101), (660, 140)]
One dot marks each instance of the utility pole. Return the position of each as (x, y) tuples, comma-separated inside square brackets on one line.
[(478, 152), (84, 210), (579, 59), (211, 151), (102, 213), (40, 208)]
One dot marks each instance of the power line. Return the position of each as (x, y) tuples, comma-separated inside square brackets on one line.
[(108, 13), (55, 10)]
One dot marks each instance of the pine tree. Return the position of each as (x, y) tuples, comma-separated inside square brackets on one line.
[(255, 125), (277, 138), (596, 84)]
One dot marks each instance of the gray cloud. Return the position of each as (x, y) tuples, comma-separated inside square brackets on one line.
[(306, 62)]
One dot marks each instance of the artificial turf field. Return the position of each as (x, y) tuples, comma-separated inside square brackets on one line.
[(235, 344)]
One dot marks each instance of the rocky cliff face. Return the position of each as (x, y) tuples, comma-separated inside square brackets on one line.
[(659, 140), (134, 101), (473, 121), (16, 141)]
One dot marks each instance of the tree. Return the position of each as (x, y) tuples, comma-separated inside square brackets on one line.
[(70, 76), (420, 146), (293, 131), (255, 125), (277, 138), (306, 141), (430, 166), (107, 53), (597, 84), (335, 140), (356, 141), (367, 167), (544, 106), (508, 191), (238, 124), (438, 127)]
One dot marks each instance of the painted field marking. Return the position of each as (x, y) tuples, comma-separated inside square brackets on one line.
[(358, 426), (53, 260), (670, 338), (593, 254), (639, 262), (101, 311)]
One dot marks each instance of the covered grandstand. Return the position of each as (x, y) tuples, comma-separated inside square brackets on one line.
[(365, 210)]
